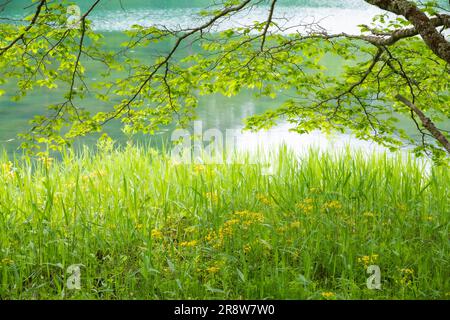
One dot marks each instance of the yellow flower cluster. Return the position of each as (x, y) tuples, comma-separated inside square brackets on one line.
[(112, 226), (227, 228), (327, 295), (263, 199), (332, 205), (7, 166), (188, 244), (199, 168), (240, 219), (406, 277), (7, 261), (211, 236), (366, 260), (46, 161), (306, 205), (248, 217), (213, 196), (139, 226), (407, 271), (213, 269), (8, 169), (156, 234)]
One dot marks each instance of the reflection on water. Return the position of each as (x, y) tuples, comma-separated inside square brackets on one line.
[(265, 141)]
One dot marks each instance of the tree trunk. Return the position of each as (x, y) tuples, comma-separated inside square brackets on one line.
[(424, 26)]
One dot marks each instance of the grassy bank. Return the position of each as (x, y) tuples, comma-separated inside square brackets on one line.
[(142, 226)]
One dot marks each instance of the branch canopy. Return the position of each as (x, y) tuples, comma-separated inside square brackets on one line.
[(424, 26)]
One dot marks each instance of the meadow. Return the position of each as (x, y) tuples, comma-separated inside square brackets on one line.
[(142, 226)]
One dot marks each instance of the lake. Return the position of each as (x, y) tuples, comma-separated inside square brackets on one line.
[(113, 16)]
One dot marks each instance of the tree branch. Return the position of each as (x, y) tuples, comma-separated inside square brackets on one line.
[(269, 21), (169, 56), (427, 123), (32, 23), (424, 26)]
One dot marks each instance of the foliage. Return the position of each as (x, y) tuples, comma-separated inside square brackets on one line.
[(379, 64), (144, 227)]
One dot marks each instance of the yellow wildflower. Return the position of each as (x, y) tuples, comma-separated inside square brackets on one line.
[(7, 166), (250, 216), (263, 199), (188, 244), (70, 185), (213, 196), (213, 269), (366, 260), (157, 234), (407, 271), (211, 236), (112, 226), (241, 219), (7, 261), (227, 228), (327, 295), (8, 169), (306, 205), (332, 205), (406, 277), (46, 161), (199, 168)]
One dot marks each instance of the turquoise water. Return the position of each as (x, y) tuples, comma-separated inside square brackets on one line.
[(215, 111), (17, 5), (113, 16)]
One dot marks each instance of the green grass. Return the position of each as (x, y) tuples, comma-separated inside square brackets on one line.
[(144, 227)]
